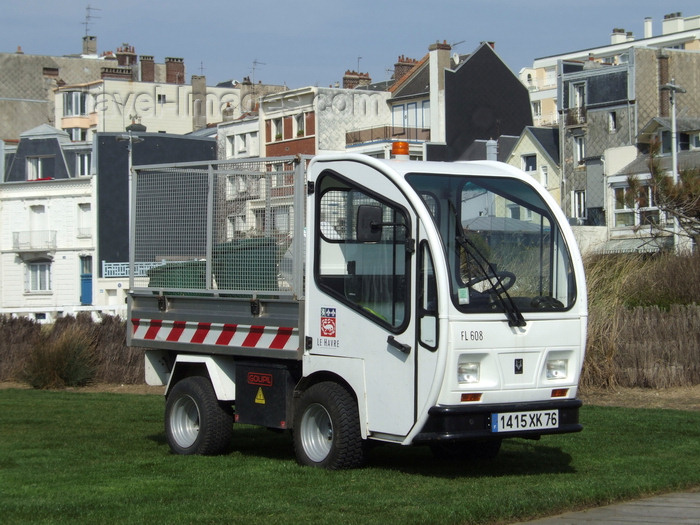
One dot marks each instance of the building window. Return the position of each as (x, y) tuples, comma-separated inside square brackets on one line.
[(235, 186), (537, 109), (299, 125), (77, 134), (82, 164), (550, 76), (277, 129), (241, 143), (683, 142), (74, 103), (579, 204), (161, 98), (695, 141), (236, 225), (425, 114), (280, 219), (578, 95), (612, 121), (642, 212), (278, 178), (529, 162), (39, 167), (38, 277), (579, 149), (398, 119), (84, 220), (544, 172)]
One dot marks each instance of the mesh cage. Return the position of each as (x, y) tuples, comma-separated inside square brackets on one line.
[(221, 226)]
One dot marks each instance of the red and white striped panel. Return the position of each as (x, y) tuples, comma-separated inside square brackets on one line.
[(246, 336)]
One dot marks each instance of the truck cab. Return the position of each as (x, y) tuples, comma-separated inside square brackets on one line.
[(454, 290)]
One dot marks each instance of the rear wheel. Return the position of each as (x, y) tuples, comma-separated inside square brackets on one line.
[(195, 421), (327, 428)]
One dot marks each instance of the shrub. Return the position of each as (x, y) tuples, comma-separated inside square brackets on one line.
[(642, 320), (62, 358)]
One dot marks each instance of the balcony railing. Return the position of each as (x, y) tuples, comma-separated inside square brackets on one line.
[(34, 240), (360, 136), (121, 269)]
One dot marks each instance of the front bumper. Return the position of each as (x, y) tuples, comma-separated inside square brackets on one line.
[(467, 422)]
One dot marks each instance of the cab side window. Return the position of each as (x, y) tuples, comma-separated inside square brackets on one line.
[(362, 256)]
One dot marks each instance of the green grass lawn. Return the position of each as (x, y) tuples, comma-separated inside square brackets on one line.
[(68, 457)]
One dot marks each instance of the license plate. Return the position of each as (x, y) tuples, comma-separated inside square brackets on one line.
[(517, 421)]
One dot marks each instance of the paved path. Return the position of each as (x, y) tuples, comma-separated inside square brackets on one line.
[(679, 508)]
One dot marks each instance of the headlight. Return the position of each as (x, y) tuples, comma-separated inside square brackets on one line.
[(556, 368), (468, 372)]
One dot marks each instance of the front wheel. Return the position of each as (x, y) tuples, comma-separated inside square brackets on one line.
[(195, 421), (327, 428)]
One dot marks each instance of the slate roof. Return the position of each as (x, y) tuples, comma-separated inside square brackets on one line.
[(683, 125), (548, 139), (640, 165)]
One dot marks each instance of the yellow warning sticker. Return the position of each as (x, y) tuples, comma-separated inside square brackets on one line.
[(260, 398)]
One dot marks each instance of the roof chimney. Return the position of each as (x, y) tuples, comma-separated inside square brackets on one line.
[(491, 150), (199, 102), (89, 45), (353, 79), (648, 30), (174, 70), (148, 69), (126, 56), (402, 66), (618, 36), (673, 23)]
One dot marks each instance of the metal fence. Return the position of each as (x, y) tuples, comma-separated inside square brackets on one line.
[(223, 226)]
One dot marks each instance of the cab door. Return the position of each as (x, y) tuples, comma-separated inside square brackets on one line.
[(360, 297)]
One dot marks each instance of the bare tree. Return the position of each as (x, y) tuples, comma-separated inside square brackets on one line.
[(679, 201)]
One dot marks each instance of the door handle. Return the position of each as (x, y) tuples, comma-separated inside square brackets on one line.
[(406, 349)]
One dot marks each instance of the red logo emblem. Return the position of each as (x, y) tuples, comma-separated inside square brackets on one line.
[(259, 379)]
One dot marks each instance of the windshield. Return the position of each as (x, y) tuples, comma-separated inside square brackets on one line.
[(504, 249)]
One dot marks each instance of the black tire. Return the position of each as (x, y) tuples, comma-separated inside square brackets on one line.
[(466, 450), (327, 428), (195, 421)]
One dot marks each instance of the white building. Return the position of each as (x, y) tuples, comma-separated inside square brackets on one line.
[(47, 238)]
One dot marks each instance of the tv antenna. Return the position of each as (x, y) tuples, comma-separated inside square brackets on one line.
[(89, 17), (256, 63)]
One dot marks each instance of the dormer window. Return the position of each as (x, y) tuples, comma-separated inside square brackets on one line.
[(40, 168)]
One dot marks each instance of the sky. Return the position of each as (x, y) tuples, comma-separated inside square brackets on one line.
[(313, 42)]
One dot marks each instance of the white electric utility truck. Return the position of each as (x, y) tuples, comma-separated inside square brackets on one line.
[(350, 299)]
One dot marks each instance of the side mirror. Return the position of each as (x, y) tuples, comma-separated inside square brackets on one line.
[(369, 223)]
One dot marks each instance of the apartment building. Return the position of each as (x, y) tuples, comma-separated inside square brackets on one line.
[(677, 32), (608, 106)]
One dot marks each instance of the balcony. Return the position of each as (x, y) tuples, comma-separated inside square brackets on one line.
[(34, 241), (361, 136), (575, 116)]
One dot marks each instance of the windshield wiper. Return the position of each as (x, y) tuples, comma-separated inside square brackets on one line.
[(515, 317)]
